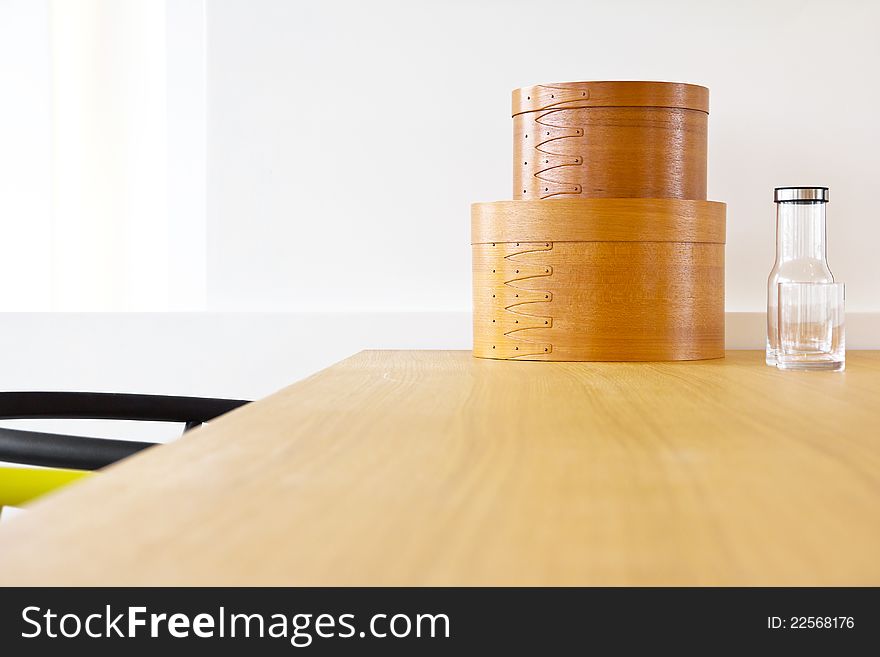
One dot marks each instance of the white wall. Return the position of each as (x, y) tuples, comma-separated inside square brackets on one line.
[(347, 139), (109, 153), (185, 55), (102, 155), (25, 155), (323, 156)]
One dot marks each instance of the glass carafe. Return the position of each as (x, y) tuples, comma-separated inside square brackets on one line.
[(800, 249)]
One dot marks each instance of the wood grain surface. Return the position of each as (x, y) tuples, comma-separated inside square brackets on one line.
[(598, 279), (437, 468), (610, 140)]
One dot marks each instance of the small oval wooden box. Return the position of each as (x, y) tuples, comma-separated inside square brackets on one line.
[(599, 279), (610, 140)]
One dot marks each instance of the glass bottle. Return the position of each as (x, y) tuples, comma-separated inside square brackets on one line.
[(800, 249)]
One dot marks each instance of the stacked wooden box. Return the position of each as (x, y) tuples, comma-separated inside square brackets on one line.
[(609, 250)]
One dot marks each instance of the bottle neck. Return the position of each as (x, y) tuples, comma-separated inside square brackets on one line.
[(800, 231)]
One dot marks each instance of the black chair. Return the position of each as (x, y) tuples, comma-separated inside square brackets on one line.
[(83, 453)]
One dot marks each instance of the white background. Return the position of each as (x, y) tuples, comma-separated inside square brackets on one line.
[(347, 139), (288, 158), (280, 155)]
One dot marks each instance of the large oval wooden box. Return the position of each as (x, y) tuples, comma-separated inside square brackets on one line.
[(599, 279), (610, 140)]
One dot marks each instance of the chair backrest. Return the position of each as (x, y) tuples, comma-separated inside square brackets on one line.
[(113, 406), (85, 453)]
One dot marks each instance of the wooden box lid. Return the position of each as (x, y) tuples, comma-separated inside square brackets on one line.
[(599, 220), (610, 94)]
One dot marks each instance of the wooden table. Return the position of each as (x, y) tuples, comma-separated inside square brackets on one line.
[(432, 467)]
